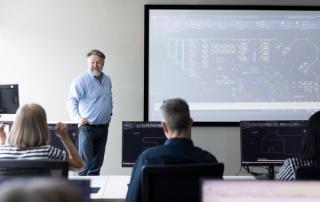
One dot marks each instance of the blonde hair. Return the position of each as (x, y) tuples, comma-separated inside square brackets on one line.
[(30, 128)]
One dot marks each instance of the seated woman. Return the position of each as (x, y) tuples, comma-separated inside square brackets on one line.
[(30, 139), (310, 152)]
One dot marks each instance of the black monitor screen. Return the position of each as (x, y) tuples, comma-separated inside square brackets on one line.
[(72, 131), (270, 142), (138, 136), (9, 99)]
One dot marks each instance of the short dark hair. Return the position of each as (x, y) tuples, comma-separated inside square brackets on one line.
[(311, 141), (97, 53), (176, 113)]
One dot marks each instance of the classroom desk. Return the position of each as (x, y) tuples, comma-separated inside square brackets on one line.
[(114, 188)]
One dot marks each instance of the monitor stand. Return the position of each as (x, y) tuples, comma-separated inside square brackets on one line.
[(270, 172), (267, 176)]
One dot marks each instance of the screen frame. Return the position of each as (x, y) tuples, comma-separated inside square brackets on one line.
[(149, 7)]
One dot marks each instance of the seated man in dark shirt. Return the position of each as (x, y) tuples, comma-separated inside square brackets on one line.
[(178, 148)]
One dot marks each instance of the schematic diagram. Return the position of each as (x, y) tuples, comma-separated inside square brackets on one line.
[(250, 69), (240, 57)]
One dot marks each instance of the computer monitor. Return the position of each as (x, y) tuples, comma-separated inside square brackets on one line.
[(138, 136), (268, 143), (55, 141), (9, 98), (73, 132), (259, 191)]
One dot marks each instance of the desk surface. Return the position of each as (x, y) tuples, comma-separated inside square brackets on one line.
[(113, 187)]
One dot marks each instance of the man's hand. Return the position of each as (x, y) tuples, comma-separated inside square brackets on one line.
[(83, 121)]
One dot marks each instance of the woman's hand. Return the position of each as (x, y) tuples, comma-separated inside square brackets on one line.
[(61, 130), (3, 135), (74, 158)]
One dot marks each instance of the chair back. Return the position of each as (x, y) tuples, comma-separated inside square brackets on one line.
[(177, 183), (34, 168), (308, 173)]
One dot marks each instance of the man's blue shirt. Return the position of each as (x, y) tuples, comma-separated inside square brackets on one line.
[(90, 98), (174, 151)]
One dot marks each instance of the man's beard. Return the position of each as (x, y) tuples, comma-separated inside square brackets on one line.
[(96, 73)]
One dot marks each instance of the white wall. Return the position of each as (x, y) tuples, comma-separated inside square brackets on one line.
[(43, 45)]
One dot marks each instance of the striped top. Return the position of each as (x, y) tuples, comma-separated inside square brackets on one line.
[(289, 167), (45, 152)]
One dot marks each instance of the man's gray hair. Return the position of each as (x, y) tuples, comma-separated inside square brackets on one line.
[(97, 53), (176, 113)]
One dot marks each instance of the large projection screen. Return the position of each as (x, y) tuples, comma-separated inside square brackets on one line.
[(233, 63)]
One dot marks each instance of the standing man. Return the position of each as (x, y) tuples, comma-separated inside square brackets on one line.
[(90, 104)]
